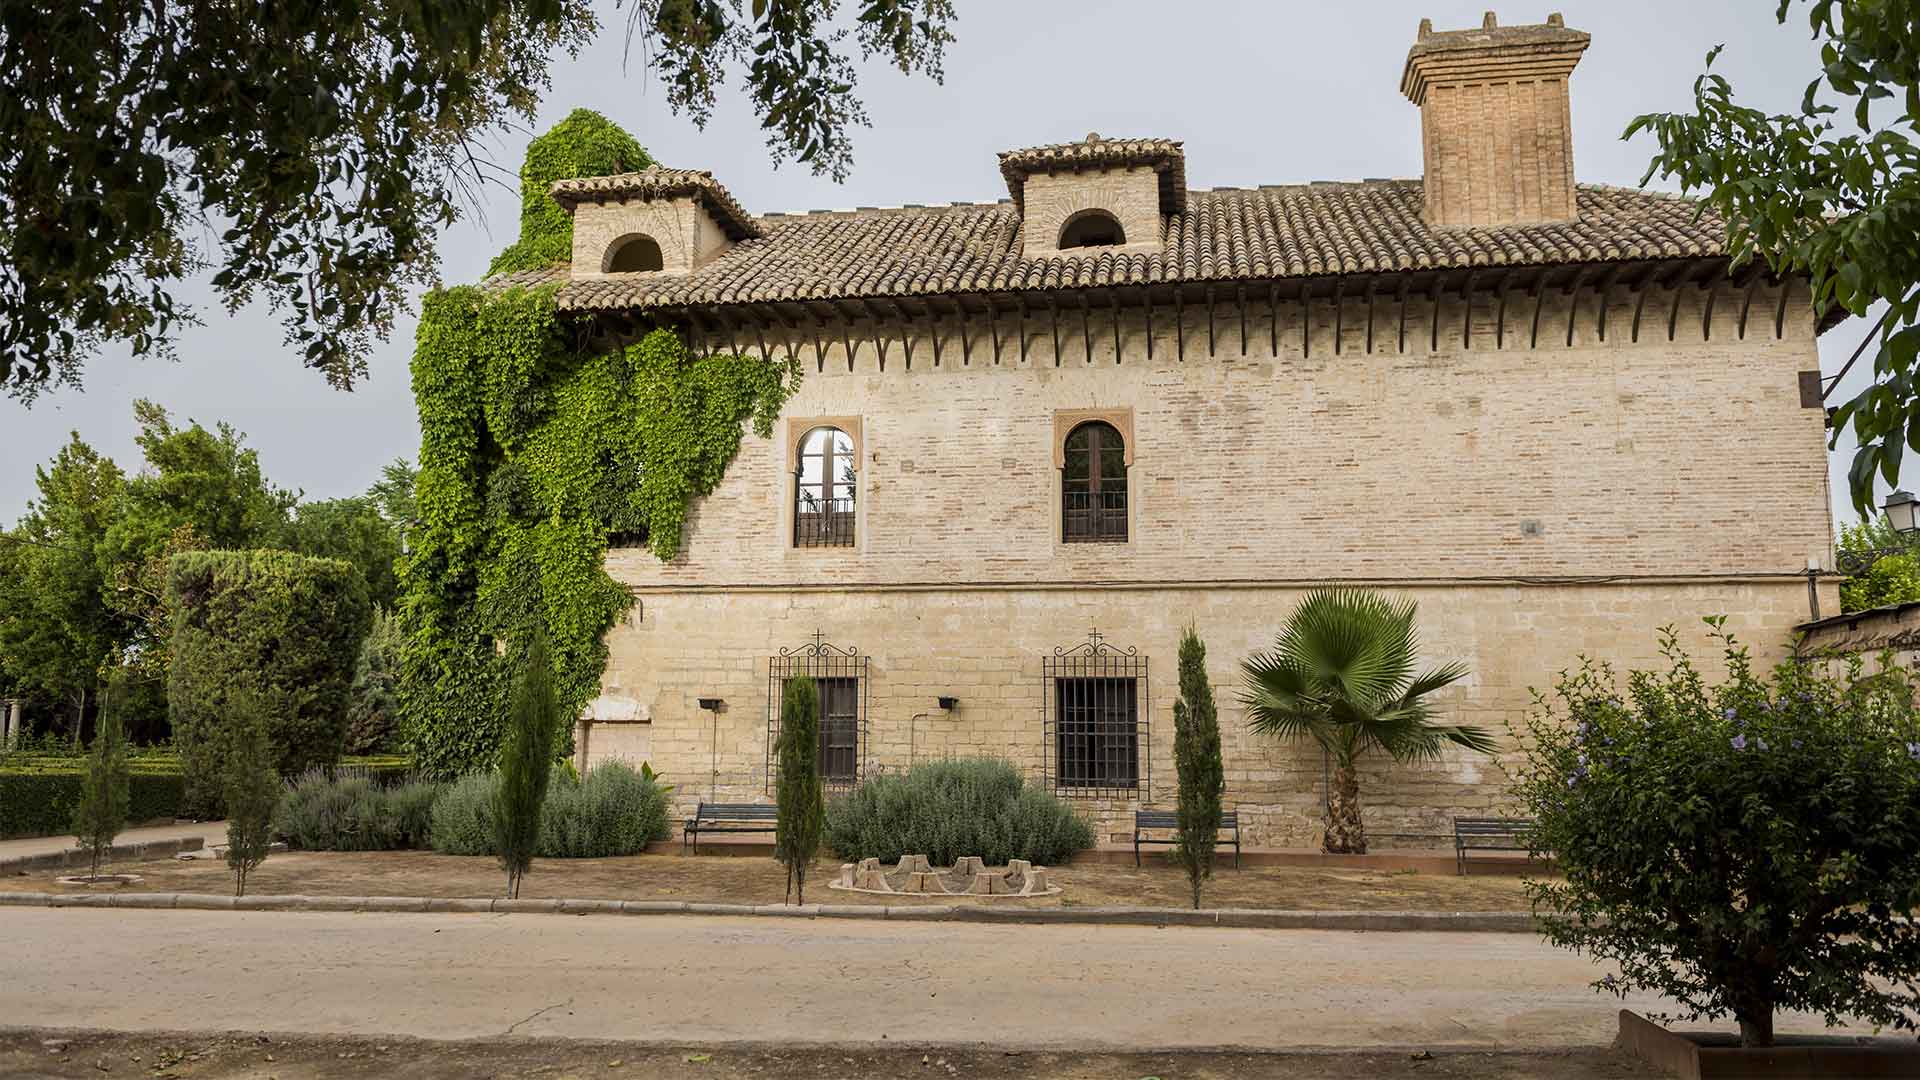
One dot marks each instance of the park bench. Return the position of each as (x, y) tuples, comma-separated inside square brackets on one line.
[(1489, 834), (728, 818), (1145, 821)]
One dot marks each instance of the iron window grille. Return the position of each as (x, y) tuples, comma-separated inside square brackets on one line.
[(840, 675), (1096, 738), (823, 490), (1093, 486)]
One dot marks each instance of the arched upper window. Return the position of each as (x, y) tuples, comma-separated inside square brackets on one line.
[(1093, 489), (635, 251), (1092, 228), (823, 490)]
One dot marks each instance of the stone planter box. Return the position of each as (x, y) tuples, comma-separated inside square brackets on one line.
[(1702, 1055)]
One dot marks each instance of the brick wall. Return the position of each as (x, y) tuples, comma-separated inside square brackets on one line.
[(1538, 503)]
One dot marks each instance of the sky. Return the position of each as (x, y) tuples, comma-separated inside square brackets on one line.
[(1261, 91)]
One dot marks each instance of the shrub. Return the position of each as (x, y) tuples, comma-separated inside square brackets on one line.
[(949, 809), (613, 811), (1739, 848), (463, 816), (374, 710), (281, 628), (322, 813), (39, 800)]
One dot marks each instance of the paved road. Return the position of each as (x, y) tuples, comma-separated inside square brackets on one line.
[(693, 979)]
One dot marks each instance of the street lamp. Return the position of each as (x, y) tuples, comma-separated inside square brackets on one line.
[(1902, 509)]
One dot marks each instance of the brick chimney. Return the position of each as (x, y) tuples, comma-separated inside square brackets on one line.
[(1494, 122)]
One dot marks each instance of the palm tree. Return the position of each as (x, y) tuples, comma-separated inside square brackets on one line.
[(1342, 674)]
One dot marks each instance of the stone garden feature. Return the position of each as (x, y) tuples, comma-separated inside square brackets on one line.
[(969, 876)]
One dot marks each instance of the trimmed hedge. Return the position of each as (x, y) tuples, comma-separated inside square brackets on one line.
[(280, 628), (949, 809), (40, 802), (39, 791)]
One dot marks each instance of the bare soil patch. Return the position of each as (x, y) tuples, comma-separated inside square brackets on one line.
[(759, 880), (55, 1054)]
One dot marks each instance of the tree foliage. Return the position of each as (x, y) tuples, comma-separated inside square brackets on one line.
[(1343, 675), (330, 146), (1196, 758), (1892, 565), (266, 635), (525, 766), (1738, 847), (801, 821), (354, 531), (584, 144), (542, 443), (105, 790), (1830, 191)]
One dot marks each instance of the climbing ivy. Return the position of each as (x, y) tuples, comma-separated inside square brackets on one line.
[(542, 442), (584, 144)]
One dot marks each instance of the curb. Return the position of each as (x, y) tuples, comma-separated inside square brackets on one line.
[(72, 857), (1479, 922)]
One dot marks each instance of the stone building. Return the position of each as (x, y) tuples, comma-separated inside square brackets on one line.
[(1038, 437)]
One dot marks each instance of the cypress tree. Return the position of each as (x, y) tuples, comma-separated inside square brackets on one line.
[(252, 791), (525, 765), (1196, 757), (802, 813), (102, 811)]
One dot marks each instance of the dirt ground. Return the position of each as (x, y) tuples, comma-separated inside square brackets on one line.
[(28, 1053), (758, 880)]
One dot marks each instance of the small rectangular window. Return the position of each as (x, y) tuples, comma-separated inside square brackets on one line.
[(839, 729), (1097, 734)]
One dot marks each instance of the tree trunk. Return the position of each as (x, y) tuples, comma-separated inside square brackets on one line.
[(79, 715), (1757, 1030), (1346, 835)]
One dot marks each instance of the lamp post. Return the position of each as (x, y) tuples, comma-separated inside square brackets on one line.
[(1902, 509), (712, 705)]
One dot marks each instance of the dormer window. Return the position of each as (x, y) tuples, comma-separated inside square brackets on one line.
[(1092, 228), (634, 252)]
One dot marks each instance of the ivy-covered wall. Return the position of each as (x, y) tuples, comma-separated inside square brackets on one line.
[(543, 439)]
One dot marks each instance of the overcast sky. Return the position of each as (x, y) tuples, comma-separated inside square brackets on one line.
[(1262, 91)]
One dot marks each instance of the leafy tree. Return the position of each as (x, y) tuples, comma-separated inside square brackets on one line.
[(525, 766), (270, 630), (393, 495), (1891, 561), (102, 810), (1196, 757), (252, 791), (1740, 847), (374, 712), (1830, 190), (352, 530), (1342, 674), (333, 147), (801, 821), (56, 630)]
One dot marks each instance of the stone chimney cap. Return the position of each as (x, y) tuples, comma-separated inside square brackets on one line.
[(1491, 35)]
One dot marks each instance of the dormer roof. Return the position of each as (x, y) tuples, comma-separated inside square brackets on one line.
[(658, 183), (1095, 153)]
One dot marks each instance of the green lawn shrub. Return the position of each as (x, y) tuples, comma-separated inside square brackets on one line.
[(614, 810), (41, 801), (279, 629), (354, 813), (949, 809)]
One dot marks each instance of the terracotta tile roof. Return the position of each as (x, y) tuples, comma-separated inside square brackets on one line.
[(1228, 235), (661, 183), (1094, 152)]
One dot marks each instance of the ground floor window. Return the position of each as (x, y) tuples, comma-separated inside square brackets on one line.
[(1097, 738), (1094, 715), (840, 677)]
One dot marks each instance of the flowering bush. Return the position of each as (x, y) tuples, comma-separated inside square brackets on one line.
[(1738, 847)]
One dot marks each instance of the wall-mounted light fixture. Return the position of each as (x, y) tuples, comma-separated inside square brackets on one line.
[(713, 705), (1902, 511), (949, 703)]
